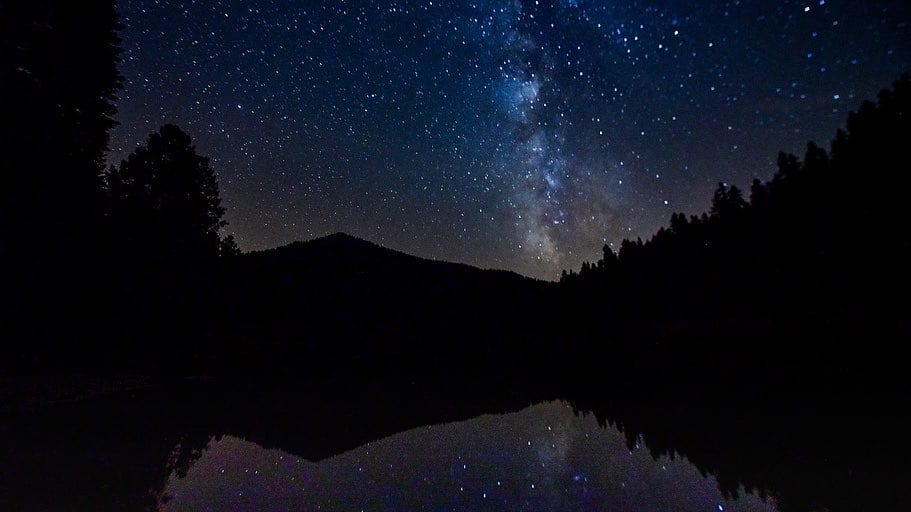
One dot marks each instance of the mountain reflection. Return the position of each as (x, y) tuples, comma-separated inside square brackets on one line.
[(544, 457)]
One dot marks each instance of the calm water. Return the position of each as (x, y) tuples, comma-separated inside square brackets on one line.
[(543, 458)]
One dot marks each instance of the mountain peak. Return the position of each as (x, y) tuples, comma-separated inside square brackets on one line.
[(341, 249), (335, 242), (340, 237)]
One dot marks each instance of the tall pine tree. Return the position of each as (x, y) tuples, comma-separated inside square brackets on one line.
[(58, 84)]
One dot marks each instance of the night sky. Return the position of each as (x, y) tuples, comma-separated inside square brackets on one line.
[(510, 134), (542, 458)]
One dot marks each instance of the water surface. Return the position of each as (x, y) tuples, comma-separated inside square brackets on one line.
[(542, 458)]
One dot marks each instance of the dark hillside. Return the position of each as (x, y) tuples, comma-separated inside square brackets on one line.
[(341, 298)]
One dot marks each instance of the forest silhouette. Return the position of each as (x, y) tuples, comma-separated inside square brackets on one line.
[(761, 334), (807, 278)]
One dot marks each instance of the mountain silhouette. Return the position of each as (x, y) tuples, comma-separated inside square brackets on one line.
[(343, 252), (339, 298)]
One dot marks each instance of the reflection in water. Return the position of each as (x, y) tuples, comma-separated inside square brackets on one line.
[(542, 458)]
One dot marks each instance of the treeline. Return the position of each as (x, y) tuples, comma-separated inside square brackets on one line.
[(811, 270), (85, 250), (766, 340), (58, 84)]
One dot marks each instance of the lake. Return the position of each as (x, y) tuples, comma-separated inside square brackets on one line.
[(542, 458), (407, 446)]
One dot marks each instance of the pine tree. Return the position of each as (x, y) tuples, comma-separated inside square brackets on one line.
[(165, 201), (58, 84)]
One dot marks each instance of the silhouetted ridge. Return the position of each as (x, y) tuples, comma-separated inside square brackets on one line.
[(341, 248), (336, 243), (340, 298), (342, 238), (339, 240)]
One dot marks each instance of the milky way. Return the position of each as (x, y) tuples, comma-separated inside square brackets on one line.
[(518, 135)]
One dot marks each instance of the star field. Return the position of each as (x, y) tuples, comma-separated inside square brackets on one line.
[(511, 134)]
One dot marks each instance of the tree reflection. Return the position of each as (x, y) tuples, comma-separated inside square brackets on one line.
[(119, 453)]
